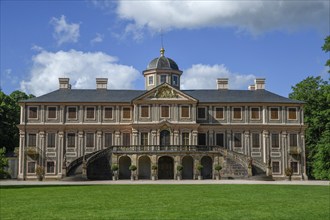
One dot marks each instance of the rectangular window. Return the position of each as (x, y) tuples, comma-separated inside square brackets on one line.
[(33, 112), (276, 167), (126, 113), (292, 114), (184, 111), (165, 111), (90, 140), (255, 113), (185, 138), (255, 140), (72, 112), (162, 79), (293, 140), (274, 115), (219, 113), (90, 112), (150, 80), (32, 140), (31, 167), (237, 140), (71, 140), (144, 138), (201, 113), (50, 167), (126, 139), (220, 139), (294, 166), (237, 113), (51, 140), (201, 139), (275, 141), (51, 112), (108, 139), (144, 111), (108, 112), (175, 80)]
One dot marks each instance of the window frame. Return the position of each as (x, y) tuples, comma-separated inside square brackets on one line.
[(251, 113), (223, 139), (295, 114), (293, 140), (198, 138), (175, 82), (141, 111), (70, 134), (87, 142), (293, 170), (124, 140), (50, 161), (181, 111), (185, 138), (36, 112), (68, 113), (123, 111), (153, 80), (241, 113), (216, 111), (235, 135), (279, 167), (161, 111), (30, 142), (271, 141), (255, 145), (144, 140), (86, 112), (278, 113), (104, 112), (48, 139), (48, 107), (160, 78), (105, 139), (28, 167), (205, 109)]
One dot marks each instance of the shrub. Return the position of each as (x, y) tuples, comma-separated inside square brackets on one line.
[(114, 167)]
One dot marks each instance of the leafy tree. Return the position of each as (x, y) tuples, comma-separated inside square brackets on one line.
[(3, 164), (326, 48)]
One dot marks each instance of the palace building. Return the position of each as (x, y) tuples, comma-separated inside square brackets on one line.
[(249, 133)]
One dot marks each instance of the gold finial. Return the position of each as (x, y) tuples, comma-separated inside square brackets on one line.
[(162, 51)]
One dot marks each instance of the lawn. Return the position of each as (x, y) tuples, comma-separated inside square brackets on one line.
[(165, 202)]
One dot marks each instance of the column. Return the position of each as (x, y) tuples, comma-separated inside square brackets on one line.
[(99, 140), (303, 158), (176, 137), (42, 149), (117, 138), (153, 137), (194, 139), (81, 149), (285, 151), (247, 143), (265, 146), (22, 156), (135, 137), (61, 158)]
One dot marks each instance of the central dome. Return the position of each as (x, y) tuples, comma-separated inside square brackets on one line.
[(162, 62)]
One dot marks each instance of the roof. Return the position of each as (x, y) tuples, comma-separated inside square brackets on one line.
[(163, 62), (126, 96)]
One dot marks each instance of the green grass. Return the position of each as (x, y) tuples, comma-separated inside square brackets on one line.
[(165, 202)]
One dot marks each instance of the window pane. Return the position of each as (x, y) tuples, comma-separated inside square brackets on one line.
[(201, 112), (71, 140), (276, 167), (165, 112), (255, 113), (108, 139), (126, 139), (51, 112), (220, 140), (72, 112), (237, 140), (274, 113), (219, 113), (51, 140), (32, 140), (293, 140), (201, 139), (151, 80), (90, 113), (145, 111), (294, 166), (126, 113), (50, 167), (185, 111), (237, 113), (90, 140), (275, 141), (107, 113), (255, 140), (33, 112), (144, 138), (162, 78), (175, 80), (292, 114), (185, 138)]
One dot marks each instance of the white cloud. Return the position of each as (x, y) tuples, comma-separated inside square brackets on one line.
[(201, 76), (252, 16), (9, 77), (98, 39), (63, 31), (82, 69)]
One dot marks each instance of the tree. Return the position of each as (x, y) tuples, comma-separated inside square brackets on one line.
[(326, 48), (3, 164), (316, 93)]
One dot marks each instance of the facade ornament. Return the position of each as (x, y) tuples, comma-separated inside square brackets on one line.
[(165, 92)]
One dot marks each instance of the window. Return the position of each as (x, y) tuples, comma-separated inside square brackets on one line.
[(33, 112), (90, 140), (108, 112), (71, 140), (237, 140), (165, 111), (126, 113), (184, 111), (255, 113), (144, 138), (275, 141), (255, 140), (175, 80), (31, 167), (90, 112), (220, 139), (150, 80), (108, 139), (163, 79), (72, 112), (294, 166), (51, 140), (293, 140), (292, 114), (52, 112), (201, 113), (126, 139), (237, 113), (32, 140), (185, 138), (276, 167), (274, 113), (219, 113), (144, 111), (201, 139), (50, 167)]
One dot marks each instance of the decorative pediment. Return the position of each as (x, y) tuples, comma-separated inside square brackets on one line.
[(164, 92)]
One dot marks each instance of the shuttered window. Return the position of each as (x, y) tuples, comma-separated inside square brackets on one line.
[(126, 113), (275, 141), (219, 113), (108, 139), (165, 111), (145, 111), (144, 138), (185, 138), (52, 112), (255, 113), (255, 140), (72, 112), (51, 140), (184, 111), (90, 112), (276, 166), (237, 113), (274, 113), (71, 140), (90, 140), (293, 140), (50, 167), (33, 112), (292, 113), (108, 113), (126, 139), (32, 140)]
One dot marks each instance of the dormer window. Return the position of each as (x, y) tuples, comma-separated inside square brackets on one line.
[(163, 79), (175, 80), (150, 80)]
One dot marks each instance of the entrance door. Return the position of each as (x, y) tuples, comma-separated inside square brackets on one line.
[(165, 168), (164, 138), (207, 167), (188, 167)]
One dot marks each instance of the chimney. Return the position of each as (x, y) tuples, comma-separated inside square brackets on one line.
[(64, 83), (259, 83), (101, 83), (252, 87), (222, 83)]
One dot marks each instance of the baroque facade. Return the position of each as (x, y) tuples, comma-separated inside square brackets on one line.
[(249, 132)]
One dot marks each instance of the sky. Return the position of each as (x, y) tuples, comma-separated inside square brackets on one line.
[(280, 41)]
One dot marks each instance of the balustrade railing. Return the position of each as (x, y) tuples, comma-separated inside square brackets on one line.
[(169, 148)]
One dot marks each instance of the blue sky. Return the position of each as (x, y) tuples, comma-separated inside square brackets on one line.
[(277, 40)]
